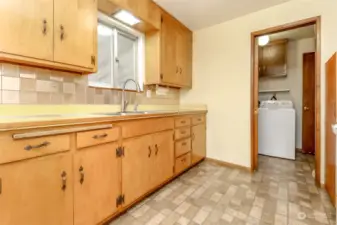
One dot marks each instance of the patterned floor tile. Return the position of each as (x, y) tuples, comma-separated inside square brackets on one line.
[(282, 192)]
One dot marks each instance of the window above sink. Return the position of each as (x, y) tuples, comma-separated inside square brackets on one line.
[(120, 56)]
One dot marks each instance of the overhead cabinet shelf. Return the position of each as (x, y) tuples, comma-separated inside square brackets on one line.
[(48, 33)]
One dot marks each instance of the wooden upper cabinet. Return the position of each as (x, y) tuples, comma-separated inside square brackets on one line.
[(169, 70), (97, 183), (55, 34), (173, 46), (27, 28), (75, 25), (273, 59), (37, 191)]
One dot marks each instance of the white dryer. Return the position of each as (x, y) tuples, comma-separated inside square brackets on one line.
[(276, 129)]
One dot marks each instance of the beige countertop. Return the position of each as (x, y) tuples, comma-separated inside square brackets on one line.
[(43, 120)]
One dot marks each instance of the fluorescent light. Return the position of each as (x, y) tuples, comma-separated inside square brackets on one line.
[(126, 17), (103, 30), (263, 40)]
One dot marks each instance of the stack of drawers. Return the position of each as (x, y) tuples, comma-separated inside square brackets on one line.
[(183, 143)]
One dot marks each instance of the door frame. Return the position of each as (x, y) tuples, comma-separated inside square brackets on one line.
[(255, 95)]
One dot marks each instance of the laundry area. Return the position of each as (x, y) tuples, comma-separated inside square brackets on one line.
[(286, 117)]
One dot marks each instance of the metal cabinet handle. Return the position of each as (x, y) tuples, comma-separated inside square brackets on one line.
[(100, 136), (64, 180), (30, 147), (81, 170), (150, 150), (44, 29), (157, 149), (183, 144), (183, 122), (62, 32), (183, 132)]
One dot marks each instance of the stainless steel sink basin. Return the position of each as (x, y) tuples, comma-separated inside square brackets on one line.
[(130, 113)]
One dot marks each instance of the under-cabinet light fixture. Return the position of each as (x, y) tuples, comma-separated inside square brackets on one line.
[(126, 17)]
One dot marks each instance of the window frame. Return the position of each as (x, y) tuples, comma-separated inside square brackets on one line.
[(121, 29)]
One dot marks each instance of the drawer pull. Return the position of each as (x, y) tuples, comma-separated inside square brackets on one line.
[(150, 150), (183, 144), (199, 119), (64, 180), (30, 147), (100, 136), (183, 132), (81, 170), (183, 160), (157, 149), (183, 122)]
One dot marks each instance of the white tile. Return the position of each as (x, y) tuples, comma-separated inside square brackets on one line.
[(141, 211), (201, 216), (157, 219), (68, 88), (228, 218), (280, 220), (27, 75), (10, 97), (216, 197), (11, 83), (56, 78), (256, 212), (183, 207), (183, 221), (43, 86), (282, 208)]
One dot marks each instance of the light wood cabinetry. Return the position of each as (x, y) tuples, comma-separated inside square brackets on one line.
[(28, 28), (97, 183), (75, 25), (169, 54), (37, 191), (88, 175), (198, 142), (136, 167), (163, 157), (55, 34)]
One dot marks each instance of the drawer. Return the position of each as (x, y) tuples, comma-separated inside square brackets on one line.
[(182, 147), (96, 137), (182, 133), (198, 119), (14, 150), (182, 121), (182, 163), (146, 126)]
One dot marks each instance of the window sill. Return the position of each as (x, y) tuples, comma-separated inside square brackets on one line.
[(114, 89)]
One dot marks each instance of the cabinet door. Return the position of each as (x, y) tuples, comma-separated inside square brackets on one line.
[(27, 28), (163, 157), (97, 183), (136, 167), (75, 32), (169, 69), (198, 142), (37, 191)]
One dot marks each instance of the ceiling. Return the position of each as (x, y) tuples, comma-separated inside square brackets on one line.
[(198, 14), (295, 34)]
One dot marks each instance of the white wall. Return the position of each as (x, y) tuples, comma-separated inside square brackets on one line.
[(293, 81), (221, 73)]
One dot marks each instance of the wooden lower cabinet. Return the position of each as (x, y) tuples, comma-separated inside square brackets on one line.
[(198, 142), (136, 167), (97, 183), (163, 159), (37, 191)]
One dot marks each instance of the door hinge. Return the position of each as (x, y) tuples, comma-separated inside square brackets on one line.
[(119, 151), (120, 200), (161, 76), (93, 60)]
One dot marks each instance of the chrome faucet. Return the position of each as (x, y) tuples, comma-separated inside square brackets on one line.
[(124, 102)]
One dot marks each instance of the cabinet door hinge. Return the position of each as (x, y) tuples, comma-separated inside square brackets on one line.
[(93, 60), (120, 200), (119, 152), (161, 76)]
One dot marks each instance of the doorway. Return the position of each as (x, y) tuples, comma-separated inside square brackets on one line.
[(255, 70)]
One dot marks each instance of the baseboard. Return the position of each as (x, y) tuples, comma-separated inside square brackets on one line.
[(227, 164)]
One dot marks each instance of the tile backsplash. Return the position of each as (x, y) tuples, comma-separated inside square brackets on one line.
[(30, 85)]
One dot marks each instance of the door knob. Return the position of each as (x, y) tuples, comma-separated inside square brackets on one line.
[(306, 108), (256, 111)]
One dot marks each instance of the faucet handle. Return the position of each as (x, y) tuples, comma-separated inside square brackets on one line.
[(135, 108)]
